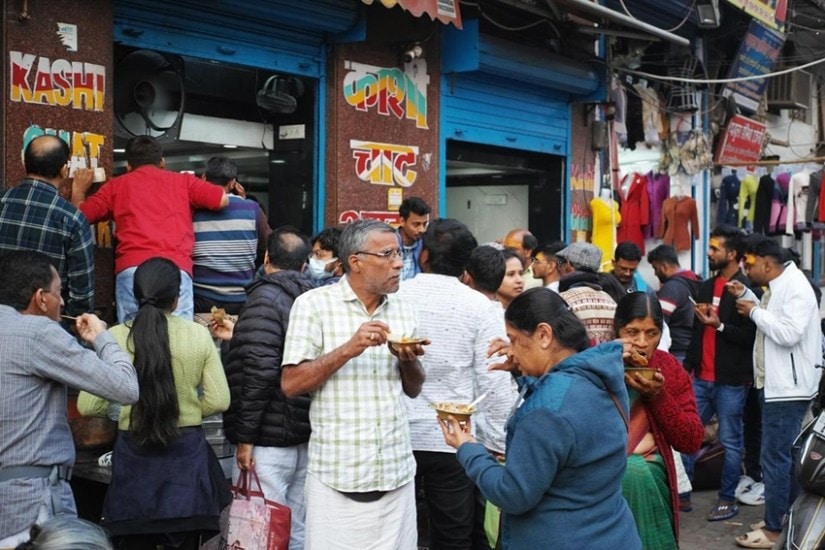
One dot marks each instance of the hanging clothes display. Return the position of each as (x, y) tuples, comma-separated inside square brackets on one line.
[(680, 220), (746, 204), (633, 120), (779, 204), (762, 211), (651, 115), (635, 210), (728, 200), (797, 201), (618, 95), (814, 189), (658, 190), (715, 186), (606, 216), (819, 206)]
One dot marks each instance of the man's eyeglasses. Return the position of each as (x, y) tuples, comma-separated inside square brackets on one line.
[(388, 255)]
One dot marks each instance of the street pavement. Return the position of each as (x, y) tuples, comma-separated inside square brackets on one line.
[(697, 533)]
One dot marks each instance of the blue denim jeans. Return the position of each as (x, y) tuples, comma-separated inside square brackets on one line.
[(781, 423), (127, 306), (727, 402)]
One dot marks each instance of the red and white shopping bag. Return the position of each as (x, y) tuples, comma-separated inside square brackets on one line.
[(256, 523)]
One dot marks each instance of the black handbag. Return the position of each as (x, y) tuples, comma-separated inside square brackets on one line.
[(707, 469)]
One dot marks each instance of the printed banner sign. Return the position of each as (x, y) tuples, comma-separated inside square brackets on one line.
[(757, 55)]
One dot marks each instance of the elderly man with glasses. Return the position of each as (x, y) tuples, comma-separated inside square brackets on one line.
[(359, 489)]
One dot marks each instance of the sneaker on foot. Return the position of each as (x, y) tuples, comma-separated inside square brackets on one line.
[(744, 484), (754, 496)]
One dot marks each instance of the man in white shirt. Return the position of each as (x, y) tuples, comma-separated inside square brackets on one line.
[(461, 323), (485, 271)]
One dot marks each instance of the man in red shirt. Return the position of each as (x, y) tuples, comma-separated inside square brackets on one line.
[(152, 210), (720, 358)]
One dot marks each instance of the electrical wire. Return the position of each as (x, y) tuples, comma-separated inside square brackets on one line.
[(718, 80), (676, 28), (508, 28)]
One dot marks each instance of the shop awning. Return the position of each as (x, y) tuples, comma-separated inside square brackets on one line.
[(446, 11)]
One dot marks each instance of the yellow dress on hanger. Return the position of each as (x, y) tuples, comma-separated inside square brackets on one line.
[(605, 219)]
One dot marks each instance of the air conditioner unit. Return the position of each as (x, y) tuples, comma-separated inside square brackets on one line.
[(790, 91)]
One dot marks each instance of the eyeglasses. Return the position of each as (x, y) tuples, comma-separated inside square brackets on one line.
[(388, 255)]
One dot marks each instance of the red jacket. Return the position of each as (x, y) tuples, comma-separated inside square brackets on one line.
[(635, 211)]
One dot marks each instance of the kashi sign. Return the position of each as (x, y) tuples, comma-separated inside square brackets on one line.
[(60, 82)]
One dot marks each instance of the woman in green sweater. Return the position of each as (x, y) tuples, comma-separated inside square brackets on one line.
[(167, 485)]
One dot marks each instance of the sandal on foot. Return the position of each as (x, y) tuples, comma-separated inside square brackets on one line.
[(755, 539), (722, 511), (757, 525)]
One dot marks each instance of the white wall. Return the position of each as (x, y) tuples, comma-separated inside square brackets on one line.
[(489, 211)]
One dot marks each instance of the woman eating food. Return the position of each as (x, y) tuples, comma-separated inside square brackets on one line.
[(561, 484), (662, 415)]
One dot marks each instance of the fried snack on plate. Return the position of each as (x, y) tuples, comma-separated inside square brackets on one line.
[(637, 358), (218, 315), (460, 411)]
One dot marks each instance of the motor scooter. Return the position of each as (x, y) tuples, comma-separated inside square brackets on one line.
[(805, 529)]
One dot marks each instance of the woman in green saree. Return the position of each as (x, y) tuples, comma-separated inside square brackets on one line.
[(662, 415)]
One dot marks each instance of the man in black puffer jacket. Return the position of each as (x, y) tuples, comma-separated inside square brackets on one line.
[(271, 431)]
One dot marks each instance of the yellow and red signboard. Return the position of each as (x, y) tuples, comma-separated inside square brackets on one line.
[(772, 13)]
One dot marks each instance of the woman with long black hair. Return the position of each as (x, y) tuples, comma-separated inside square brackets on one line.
[(167, 485)]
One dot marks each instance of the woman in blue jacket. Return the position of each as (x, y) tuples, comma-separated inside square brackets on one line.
[(561, 486)]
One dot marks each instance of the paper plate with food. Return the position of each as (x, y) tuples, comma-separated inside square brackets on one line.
[(460, 411)]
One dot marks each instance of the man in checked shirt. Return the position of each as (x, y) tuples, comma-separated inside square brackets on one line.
[(359, 488), (33, 216)]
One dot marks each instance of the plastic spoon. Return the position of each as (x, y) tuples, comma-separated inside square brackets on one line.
[(477, 400)]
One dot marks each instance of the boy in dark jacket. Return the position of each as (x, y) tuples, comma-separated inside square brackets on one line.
[(720, 358), (270, 430)]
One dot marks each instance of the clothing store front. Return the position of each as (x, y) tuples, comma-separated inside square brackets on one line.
[(244, 81), (505, 130)]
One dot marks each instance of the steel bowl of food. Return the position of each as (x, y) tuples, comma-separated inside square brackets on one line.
[(637, 363), (398, 342)]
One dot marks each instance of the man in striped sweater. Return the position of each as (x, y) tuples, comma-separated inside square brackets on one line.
[(226, 243)]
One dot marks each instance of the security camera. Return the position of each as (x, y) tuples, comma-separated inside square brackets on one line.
[(413, 52)]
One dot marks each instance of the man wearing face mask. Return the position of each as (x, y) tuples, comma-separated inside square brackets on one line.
[(323, 266)]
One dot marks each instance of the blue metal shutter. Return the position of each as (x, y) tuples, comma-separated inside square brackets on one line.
[(280, 35), (491, 111)]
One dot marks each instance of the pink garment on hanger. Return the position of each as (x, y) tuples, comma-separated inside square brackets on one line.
[(779, 211)]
